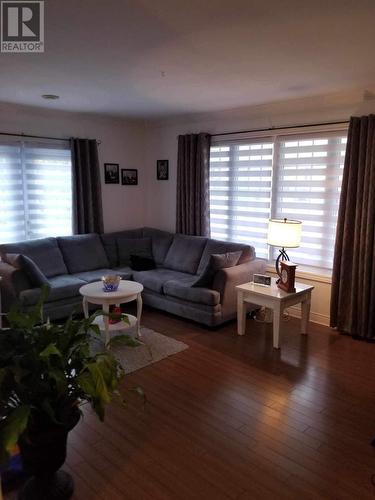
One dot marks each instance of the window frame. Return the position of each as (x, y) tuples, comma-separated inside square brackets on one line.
[(272, 135)]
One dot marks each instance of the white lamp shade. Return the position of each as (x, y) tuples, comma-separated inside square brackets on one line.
[(284, 233)]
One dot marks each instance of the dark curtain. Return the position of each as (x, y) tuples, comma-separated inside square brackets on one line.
[(353, 280), (192, 184), (87, 196)]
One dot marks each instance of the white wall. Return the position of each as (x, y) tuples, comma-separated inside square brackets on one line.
[(122, 141), (162, 144)]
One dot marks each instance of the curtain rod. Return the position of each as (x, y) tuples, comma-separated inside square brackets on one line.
[(39, 137), (281, 128)]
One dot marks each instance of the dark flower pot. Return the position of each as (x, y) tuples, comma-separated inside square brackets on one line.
[(43, 452)]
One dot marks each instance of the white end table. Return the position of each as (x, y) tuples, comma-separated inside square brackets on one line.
[(275, 299), (127, 291)]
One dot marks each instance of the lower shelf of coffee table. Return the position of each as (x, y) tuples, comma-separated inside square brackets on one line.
[(121, 325)]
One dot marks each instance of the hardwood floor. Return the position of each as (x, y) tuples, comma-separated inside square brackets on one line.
[(230, 418)]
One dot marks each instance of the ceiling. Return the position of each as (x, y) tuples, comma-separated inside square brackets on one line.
[(158, 58)]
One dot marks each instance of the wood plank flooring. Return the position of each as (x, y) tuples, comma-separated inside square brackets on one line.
[(230, 418)]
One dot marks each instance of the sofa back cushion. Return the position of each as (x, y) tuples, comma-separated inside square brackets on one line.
[(185, 253), (36, 277), (133, 246), (216, 262), (109, 241), (220, 247), (83, 252), (161, 242), (44, 252)]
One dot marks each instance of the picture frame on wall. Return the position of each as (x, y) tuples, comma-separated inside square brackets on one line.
[(162, 170), (111, 173), (129, 177)]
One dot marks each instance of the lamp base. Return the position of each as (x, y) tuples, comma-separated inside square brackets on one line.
[(282, 256)]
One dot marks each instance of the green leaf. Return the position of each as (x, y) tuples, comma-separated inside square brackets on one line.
[(18, 373), (95, 382), (110, 369), (125, 319), (96, 330), (46, 405), (50, 350), (18, 320), (124, 339), (36, 314), (87, 383), (59, 377), (12, 428), (44, 295)]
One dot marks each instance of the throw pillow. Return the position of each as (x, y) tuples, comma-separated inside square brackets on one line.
[(133, 246), (36, 276), (216, 262), (139, 263)]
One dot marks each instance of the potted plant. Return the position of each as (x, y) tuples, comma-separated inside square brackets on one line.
[(46, 371)]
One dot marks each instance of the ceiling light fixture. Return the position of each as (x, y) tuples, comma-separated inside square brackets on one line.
[(50, 97)]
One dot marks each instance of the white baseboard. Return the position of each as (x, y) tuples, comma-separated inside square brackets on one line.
[(315, 317)]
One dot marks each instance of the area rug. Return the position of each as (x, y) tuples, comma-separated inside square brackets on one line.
[(154, 348)]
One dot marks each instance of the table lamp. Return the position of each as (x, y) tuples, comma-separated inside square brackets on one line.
[(284, 233)]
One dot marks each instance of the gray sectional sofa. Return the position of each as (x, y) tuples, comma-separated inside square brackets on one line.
[(70, 262)]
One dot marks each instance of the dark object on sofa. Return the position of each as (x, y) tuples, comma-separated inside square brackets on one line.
[(139, 263), (72, 261), (126, 247)]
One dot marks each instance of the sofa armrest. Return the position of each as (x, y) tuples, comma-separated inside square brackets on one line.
[(227, 279), (12, 283)]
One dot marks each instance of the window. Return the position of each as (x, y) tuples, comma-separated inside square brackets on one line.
[(36, 190), (297, 177)]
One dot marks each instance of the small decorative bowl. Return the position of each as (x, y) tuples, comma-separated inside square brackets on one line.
[(111, 283)]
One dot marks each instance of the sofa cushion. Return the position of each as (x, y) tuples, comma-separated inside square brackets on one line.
[(161, 242), (83, 252), (62, 287), (155, 279), (182, 289), (132, 246), (125, 272), (44, 252), (97, 274), (27, 265), (185, 253), (216, 262), (109, 241), (220, 247)]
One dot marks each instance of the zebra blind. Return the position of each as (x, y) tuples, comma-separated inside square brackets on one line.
[(240, 192), (36, 191), (297, 177), (308, 184)]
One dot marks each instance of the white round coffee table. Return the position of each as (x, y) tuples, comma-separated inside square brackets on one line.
[(127, 291)]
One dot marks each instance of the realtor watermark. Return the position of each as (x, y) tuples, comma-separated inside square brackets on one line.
[(22, 26)]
